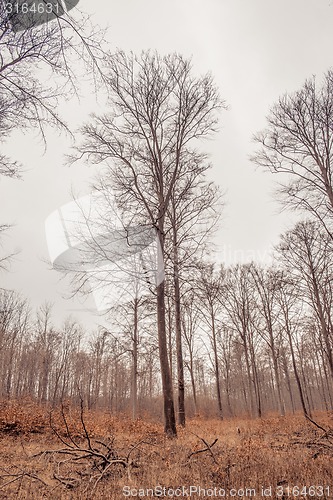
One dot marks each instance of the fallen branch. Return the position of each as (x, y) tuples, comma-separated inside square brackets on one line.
[(19, 475), (315, 423), (203, 450), (68, 482)]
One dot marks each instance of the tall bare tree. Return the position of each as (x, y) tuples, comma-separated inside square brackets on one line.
[(193, 214), (239, 301), (288, 296), (209, 288), (267, 282), (158, 111)]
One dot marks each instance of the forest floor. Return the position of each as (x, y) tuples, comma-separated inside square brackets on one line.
[(96, 456)]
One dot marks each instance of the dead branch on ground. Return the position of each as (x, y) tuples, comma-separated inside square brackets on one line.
[(208, 448)]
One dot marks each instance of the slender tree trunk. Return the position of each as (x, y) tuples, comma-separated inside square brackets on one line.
[(169, 411), (318, 370), (168, 403), (305, 387), (45, 378), (287, 377), (327, 379), (190, 367), (179, 348), (319, 385), (227, 380), (298, 380), (324, 329), (170, 337), (248, 370), (256, 380), (227, 384), (272, 395), (194, 390), (216, 367), (243, 386), (151, 379), (135, 361), (276, 375), (308, 385)]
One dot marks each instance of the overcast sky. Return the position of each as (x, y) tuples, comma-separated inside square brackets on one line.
[(256, 50)]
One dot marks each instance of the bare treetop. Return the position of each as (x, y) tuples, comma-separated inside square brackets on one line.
[(157, 110), (39, 65), (299, 141)]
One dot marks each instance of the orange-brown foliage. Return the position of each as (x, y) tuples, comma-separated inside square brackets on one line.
[(248, 454)]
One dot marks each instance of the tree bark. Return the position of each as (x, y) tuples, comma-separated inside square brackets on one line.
[(168, 403), (216, 367), (179, 348), (135, 362)]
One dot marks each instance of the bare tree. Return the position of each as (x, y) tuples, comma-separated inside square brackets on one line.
[(126, 323), (298, 143), (14, 326), (37, 69), (267, 282), (306, 252), (239, 301), (291, 312), (158, 111), (209, 288), (193, 215), (62, 376), (47, 341), (190, 329)]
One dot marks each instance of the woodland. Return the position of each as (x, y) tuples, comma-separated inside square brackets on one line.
[(243, 352)]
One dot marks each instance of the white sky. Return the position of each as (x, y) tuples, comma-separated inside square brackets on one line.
[(256, 50)]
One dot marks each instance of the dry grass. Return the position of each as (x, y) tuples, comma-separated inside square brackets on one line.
[(248, 454)]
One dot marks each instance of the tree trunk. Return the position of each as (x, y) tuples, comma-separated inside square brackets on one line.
[(168, 403), (298, 381), (179, 348), (276, 371), (216, 367), (194, 389), (248, 370), (255, 380), (135, 362), (287, 376), (169, 411)]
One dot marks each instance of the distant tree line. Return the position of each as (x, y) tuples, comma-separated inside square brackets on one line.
[(255, 340)]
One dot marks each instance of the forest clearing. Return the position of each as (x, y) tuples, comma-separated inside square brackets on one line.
[(241, 457)]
